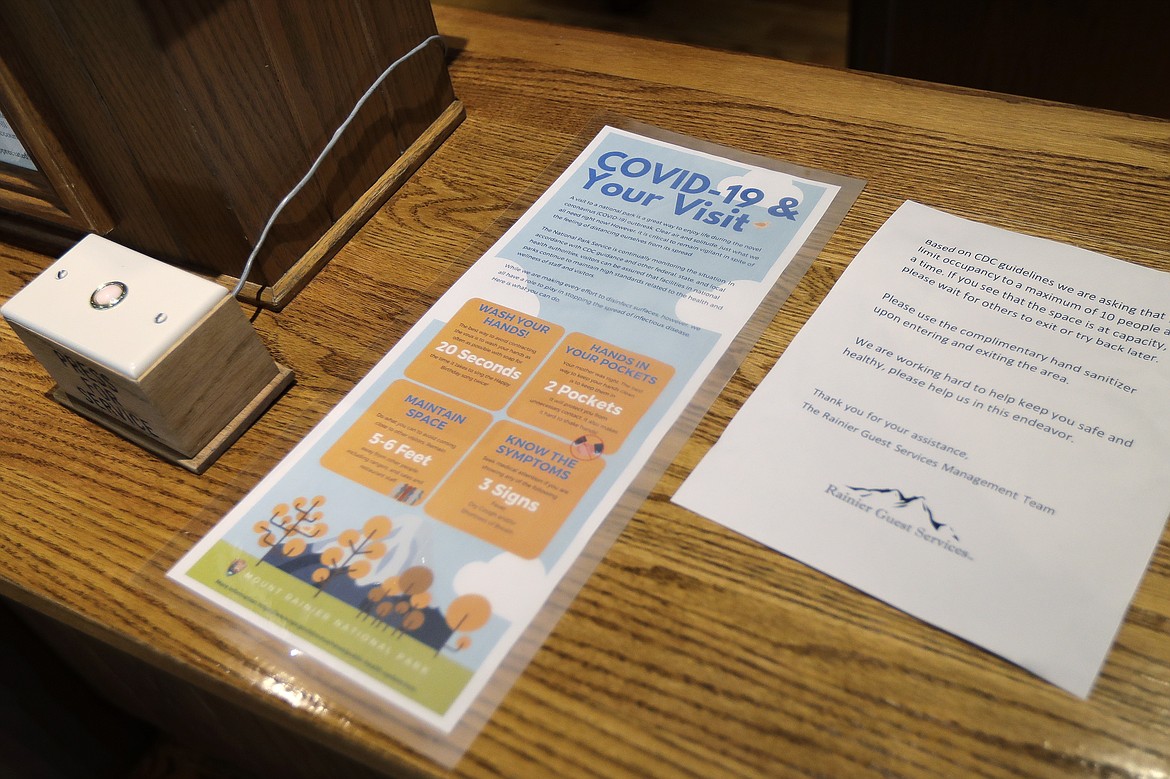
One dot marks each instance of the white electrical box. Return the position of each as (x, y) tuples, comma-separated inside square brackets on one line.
[(163, 357)]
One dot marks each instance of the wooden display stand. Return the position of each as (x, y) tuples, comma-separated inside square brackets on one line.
[(177, 128)]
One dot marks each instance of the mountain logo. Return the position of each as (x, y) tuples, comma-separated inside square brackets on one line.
[(910, 507), (911, 514)]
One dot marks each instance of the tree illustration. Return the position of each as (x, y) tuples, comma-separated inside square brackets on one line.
[(292, 528), (466, 613), (413, 620), (354, 552), (401, 600), (415, 580)]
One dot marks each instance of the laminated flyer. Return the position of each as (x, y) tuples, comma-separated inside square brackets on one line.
[(411, 538)]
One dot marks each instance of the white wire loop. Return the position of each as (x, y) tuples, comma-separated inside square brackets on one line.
[(247, 270)]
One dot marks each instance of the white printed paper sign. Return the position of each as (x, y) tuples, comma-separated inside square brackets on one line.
[(972, 427), (12, 150)]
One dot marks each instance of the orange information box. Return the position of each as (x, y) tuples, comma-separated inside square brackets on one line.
[(406, 441), (484, 353), (515, 489), (591, 390)]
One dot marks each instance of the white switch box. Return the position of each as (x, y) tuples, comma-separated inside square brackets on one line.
[(161, 356)]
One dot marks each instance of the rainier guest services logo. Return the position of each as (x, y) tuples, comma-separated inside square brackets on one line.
[(911, 515)]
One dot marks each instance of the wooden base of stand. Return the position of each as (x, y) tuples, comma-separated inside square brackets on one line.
[(223, 440), (278, 295)]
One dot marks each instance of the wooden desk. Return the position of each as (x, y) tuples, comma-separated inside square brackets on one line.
[(691, 651)]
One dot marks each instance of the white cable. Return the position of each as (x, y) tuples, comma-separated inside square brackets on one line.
[(317, 163)]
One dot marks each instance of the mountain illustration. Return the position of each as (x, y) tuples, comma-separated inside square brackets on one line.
[(909, 507), (432, 629)]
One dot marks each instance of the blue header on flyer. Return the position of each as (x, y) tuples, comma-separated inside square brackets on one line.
[(655, 222), (618, 174), (661, 236)]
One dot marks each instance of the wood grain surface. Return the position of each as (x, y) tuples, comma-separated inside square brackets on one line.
[(691, 651), (192, 121)]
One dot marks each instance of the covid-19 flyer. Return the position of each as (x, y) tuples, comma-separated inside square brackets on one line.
[(410, 539)]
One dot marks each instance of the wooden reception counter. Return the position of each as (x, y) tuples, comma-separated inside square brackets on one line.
[(690, 651)]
